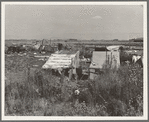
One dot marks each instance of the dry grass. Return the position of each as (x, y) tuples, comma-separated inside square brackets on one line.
[(36, 92)]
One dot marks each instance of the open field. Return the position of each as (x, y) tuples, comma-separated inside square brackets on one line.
[(32, 91), (79, 42)]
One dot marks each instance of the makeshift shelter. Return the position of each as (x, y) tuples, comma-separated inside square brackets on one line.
[(63, 60), (46, 48), (54, 48), (97, 48), (104, 59), (37, 46)]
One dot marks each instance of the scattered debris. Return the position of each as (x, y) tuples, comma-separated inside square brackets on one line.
[(35, 65), (22, 54)]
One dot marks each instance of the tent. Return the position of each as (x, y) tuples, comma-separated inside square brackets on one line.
[(103, 59)]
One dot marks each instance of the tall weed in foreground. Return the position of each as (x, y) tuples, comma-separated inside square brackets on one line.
[(115, 92), (122, 87), (18, 88)]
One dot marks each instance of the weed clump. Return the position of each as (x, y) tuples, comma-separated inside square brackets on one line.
[(34, 92), (120, 89)]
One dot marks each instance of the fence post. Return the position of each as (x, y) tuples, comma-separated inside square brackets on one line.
[(70, 73), (62, 76)]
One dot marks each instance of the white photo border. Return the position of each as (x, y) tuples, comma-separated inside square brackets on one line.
[(145, 90)]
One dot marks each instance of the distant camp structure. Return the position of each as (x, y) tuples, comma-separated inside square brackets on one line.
[(136, 40)]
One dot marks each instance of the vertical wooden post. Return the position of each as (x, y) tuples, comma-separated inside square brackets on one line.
[(70, 73), (62, 76), (76, 75), (111, 60), (71, 70)]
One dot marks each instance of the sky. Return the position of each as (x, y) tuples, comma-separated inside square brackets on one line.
[(73, 21)]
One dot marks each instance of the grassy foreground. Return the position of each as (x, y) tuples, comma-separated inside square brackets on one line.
[(36, 92)]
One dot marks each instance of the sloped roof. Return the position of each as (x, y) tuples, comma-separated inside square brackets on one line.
[(59, 60), (113, 48)]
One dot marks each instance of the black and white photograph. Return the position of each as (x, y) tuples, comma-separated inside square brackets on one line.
[(74, 61)]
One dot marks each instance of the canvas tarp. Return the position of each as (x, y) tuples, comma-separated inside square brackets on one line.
[(61, 61), (113, 48), (101, 58)]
